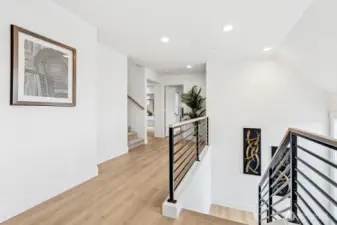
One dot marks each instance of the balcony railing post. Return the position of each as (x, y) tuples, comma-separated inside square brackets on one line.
[(197, 141), (207, 130), (171, 165), (270, 198), (259, 205), (293, 175)]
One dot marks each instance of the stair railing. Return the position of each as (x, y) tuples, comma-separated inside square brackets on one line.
[(135, 102), (187, 140), (290, 176), (139, 105)]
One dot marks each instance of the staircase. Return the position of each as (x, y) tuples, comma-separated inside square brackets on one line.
[(134, 141), (235, 215), (190, 217), (281, 222), (297, 178)]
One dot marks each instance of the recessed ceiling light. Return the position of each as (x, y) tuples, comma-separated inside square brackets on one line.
[(267, 49), (189, 66), (228, 28), (165, 39)]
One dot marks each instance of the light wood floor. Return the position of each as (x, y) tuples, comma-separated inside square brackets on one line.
[(128, 191), (233, 214)]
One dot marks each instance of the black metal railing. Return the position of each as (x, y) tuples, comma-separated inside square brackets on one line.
[(298, 185), (187, 140)]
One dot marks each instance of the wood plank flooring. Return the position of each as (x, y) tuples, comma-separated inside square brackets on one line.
[(129, 190), (233, 214)]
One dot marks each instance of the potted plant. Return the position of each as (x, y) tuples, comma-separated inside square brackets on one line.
[(195, 102)]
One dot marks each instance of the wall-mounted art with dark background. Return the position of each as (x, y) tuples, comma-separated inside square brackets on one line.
[(252, 151), (285, 177)]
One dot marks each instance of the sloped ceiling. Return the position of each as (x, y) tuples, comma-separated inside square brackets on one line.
[(311, 46), (195, 27)]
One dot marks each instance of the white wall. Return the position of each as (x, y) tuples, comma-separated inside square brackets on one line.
[(112, 103), (198, 194), (159, 129), (152, 76), (188, 80), (137, 118), (333, 103), (46, 150), (263, 94)]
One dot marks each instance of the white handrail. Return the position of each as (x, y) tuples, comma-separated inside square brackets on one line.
[(187, 122)]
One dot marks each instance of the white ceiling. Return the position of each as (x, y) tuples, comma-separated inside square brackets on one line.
[(134, 27), (311, 47)]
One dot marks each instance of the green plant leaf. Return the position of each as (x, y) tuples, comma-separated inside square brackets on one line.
[(195, 102)]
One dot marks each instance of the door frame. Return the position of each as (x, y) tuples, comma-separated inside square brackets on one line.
[(166, 86)]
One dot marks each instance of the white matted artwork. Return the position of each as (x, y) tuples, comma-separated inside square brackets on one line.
[(43, 71)]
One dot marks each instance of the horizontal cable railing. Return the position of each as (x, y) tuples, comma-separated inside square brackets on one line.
[(290, 176), (187, 140)]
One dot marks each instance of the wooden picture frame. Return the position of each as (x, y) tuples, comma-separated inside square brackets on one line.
[(43, 71), (252, 151)]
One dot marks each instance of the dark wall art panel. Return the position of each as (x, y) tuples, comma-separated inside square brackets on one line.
[(252, 151), (285, 177)]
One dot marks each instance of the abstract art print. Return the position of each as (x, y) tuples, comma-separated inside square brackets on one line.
[(43, 71), (252, 151), (285, 176)]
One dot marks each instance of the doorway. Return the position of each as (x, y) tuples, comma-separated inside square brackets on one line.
[(173, 110)]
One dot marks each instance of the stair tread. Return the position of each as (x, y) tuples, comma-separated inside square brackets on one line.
[(233, 214), (280, 222), (131, 133), (204, 219), (136, 140)]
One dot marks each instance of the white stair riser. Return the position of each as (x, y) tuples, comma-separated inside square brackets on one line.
[(136, 144), (132, 137)]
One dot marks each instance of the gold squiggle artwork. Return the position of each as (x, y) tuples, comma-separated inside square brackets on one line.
[(284, 176), (252, 157), (283, 180)]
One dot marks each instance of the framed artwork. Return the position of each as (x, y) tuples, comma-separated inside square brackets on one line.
[(285, 177), (252, 151), (43, 71)]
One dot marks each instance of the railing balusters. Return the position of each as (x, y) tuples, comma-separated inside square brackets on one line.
[(171, 165), (185, 151), (197, 142), (281, 168), (293, 173), (270, 198), (259, 212), (207, 130)]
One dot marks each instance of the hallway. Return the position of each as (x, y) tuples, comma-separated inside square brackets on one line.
[(130, 189)]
